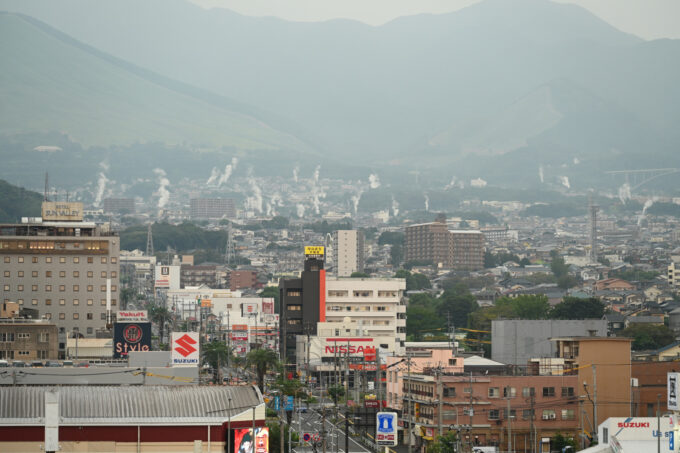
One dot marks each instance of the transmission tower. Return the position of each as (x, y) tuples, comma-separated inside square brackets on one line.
[(149, 241), (229, 251)]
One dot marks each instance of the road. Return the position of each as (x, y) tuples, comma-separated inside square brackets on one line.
[(335, 436)]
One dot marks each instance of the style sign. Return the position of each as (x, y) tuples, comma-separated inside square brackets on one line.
[(130, 336), (185, 349), (672, 396), (386, 429)]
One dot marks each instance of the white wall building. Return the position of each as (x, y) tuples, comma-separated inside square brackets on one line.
[(376, 305), (348, 252)]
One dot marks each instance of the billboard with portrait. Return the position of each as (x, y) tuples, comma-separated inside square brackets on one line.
[(245, 441)]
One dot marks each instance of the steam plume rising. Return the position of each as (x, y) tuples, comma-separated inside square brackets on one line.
[(564, 180), (300, 210), (228, 170), (648, 204), (355, 201), (255, 202), (479, 182), (540, 173), (213, 176), (316, 174), (296, 172), (163, 183), (395, 207), (427, 203), (624, 193), (373, 181), (101, 187)]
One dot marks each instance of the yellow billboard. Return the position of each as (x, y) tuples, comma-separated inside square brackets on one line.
[(314, 251), (59, 210)]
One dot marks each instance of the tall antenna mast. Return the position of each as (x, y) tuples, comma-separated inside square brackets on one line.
[(46, 186), (149, 241)]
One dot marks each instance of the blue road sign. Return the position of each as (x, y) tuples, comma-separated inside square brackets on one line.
[(290, 402), (386, 428), (671, 441), (277, 403)]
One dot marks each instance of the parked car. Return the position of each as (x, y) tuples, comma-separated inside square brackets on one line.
[(67, 363), (19, 364), (53, 364), (4, 363), (82, 364), (37, 364)]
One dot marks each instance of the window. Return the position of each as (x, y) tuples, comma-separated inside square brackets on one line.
[(90, 260), (387, 294), (548, 414), (467, 389), (48, 259), (23, 335), (48, 274), (6, 273), (62, 274), (90, 288), (34, 259), (567, 414), (5, 287), (90, 274), (294, 307), (103, 288), (103, 302), (44, 337), (567, 392), (48, 288), (34, 287), (548, 391), (114, 274), (103, 260), (76, 315), (21, 301), (450, 391), (453, 362), (513, 414), (7, 259), (89, 330), (363, 293), (494, 392), (20, 287), (295, 322), (114, 288), (21, 273), (89, 316), (466, 411), (527, 414), (76, 274), (62, 259), (34, 274), (62, 315), (293, 293), (605, 435), (62, 288), (509, 392), (76, 288), (20, 259), (34, 302), (49, 316), (114, 260), (48, 301), (103, 316), (6, 337), (494, 414), (103, 274), (76, 259), (90, 301), (528, 391), (62, 301), (380, 308), (113, 302), (76, 301)]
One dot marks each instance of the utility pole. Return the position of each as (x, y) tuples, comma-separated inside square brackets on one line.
[(531, 417), (440, 397), (408, 401), (658, 423), (323, 427), (347, 375), (580, 409), (378, 377), (507, 392), (471, 412), (595, 426)]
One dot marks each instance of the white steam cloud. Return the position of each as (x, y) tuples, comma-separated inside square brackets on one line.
[(624, 193), (355, 201), (373, 181), (395, 207), (648, 204), (427, 203), (540, 173), (163, 183), (228, 170), (296, 172), (576, 161), (300, 210), (255, 202), (452, 184), (479, 182), (317, 170), (564, 180), (101, 183), (213, 176)]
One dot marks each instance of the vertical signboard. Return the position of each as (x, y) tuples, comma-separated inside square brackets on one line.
[(386, 429), (185, 349), (672, 395), (248, 440)]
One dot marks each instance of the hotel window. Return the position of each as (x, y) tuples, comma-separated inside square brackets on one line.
[(114, 274), (103, 260), (114, 260), (7, 259), (48, 301), (293, 292), (90, 274), (21, 259), (76, 274), (76, 301), (90, 260), (62, 288), (103, 288), (34, 301), (21, 273), (62, 274), (89, 316), (34, 259), (90, 288), (62, 301), (34, 287), (6, 273), (90, 301), (295, 307), (34, 274), (103, 274), (76, 287), (76, 315), (103, 302), (6, 287), (76, 259), (114, 288), (48, 259), (48, 288), (62, 259), (337, 293), (103, 316), (49, 316), (113, 301), (21, 301), (90, 330), (48, 274), (62, 315)]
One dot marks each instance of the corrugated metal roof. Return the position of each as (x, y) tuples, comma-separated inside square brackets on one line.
[(130, 404)]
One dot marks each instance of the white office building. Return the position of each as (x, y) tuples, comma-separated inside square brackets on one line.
[(348, 252)]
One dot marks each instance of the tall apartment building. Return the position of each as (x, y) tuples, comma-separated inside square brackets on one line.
[(61, 266), (348, 252), (119, 205), (212, 208), (455, 249)]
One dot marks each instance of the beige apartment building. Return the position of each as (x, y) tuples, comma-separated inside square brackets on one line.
[(348, 252), (26, 339), (61, 266)]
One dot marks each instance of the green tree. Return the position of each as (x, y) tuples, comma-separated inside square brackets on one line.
[(217, 354), (414, 281), (271, 291), (422, 319), (557, 265), (558, 442), (159, 315), (448, 443), (360, 275), (336, 392), (646, 336), (567, 281), (577, 308), (396, 254), (275, 437), (261, 360), (391, 237), (457, 303)]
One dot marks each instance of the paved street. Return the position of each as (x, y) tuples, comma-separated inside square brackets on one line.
[(335, 436)]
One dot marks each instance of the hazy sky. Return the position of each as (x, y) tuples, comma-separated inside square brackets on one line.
[(649, 19)]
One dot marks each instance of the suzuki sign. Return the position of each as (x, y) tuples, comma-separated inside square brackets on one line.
[(185, 349)]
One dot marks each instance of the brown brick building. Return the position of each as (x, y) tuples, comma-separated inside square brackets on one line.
[(28, 339)]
